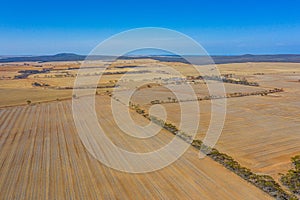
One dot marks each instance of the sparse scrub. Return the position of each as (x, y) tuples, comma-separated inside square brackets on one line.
[(292, 178)]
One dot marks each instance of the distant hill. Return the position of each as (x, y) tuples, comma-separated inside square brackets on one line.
[(57, 57), (295, 58)]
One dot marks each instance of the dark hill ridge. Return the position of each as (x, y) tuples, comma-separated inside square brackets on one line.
[(295, 58), (48, 58)]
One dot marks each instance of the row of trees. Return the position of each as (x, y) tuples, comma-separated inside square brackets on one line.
[(227, 79), (230, 95), (264, 182), (262, 93)]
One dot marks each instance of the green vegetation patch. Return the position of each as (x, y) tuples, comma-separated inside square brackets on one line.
[(292, 178)]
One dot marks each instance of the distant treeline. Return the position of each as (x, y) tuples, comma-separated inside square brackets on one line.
[(25, 73), (229, 95), (227, 79)]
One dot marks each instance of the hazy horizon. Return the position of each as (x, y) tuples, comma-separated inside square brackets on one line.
[(37, 55)]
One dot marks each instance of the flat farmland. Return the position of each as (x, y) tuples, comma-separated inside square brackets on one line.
[(162, 93), (13, 97), (260, 132), (42, 157), (56, 82), (249, 68)]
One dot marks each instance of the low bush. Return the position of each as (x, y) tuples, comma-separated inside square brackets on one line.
[(292, 178)]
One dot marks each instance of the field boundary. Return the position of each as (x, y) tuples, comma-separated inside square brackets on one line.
[(264, 182)]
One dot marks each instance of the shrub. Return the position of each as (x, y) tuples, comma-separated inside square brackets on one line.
[(291, 179)]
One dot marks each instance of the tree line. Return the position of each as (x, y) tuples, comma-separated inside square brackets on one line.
[(264, 182), (211, 97)]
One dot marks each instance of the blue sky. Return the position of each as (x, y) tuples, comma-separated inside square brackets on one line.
[(222, 27)]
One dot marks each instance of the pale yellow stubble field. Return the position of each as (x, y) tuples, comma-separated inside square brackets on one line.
[(42, 156), (260, 132)]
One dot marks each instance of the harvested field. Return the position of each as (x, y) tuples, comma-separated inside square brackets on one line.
[(260, 132), (13, 97), (250, 68), (42, 157), (146, 95)]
